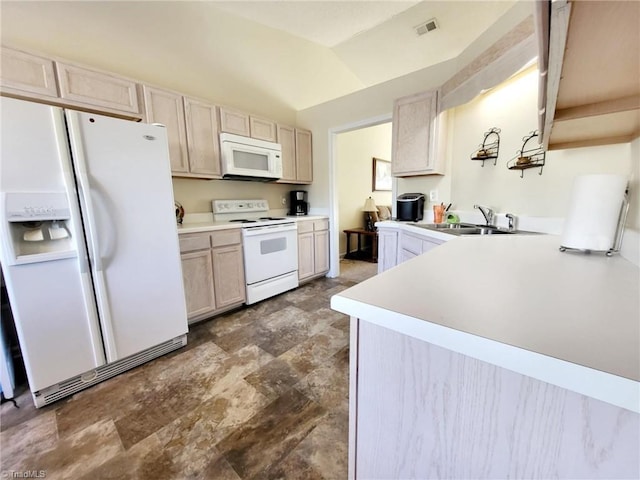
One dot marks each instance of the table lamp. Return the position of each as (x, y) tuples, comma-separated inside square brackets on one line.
[(369, 207)]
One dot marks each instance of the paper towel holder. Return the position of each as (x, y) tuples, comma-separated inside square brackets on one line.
[(617, 242)]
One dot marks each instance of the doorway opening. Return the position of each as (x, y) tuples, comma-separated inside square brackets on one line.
[(352, 148)]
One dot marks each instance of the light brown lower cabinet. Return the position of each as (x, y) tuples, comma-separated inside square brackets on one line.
[(420, 411), (197, 274), (213, 272), (313, 248)]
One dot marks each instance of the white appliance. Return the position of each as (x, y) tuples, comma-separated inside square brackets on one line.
[(250, 159), (89, 245), (270, 247)]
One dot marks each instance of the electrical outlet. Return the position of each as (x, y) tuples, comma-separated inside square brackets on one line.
[(433, 196)]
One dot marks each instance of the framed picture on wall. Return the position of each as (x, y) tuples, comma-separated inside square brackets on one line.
[(381, 174)]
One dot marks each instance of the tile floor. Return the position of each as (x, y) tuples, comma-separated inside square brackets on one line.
[(258, 393)]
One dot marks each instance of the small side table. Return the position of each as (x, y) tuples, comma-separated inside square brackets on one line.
[(361, 254)]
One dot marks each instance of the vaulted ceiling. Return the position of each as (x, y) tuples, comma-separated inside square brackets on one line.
[(302, 53)]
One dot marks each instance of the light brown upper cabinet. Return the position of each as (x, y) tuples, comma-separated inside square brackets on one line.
[(165, 107), (193, 126), (297, 160), (192, 129), (23, 73), (234, 121), (304, 156), (241, 123), (97, 88), (40, 79), (262, 129), (287, 140), (415, 136), (202, 138)]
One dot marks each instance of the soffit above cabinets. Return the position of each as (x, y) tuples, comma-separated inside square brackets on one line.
[(593, 86)]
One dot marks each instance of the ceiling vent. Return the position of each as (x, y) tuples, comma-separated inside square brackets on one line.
[(426, 27)]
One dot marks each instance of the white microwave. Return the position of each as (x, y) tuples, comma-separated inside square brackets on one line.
[(245, 158)]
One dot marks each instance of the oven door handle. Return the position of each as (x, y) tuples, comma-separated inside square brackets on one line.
[(253, 231)]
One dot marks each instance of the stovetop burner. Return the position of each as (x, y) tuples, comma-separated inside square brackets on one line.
[(248, 213)]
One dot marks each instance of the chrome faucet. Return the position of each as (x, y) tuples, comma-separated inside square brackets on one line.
[(487, 213), (512, 221)]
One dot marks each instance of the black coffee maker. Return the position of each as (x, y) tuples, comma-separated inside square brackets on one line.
[(298, 204)]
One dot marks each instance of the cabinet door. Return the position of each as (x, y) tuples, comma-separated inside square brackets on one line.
[(234, 121), (228, 275), (387, 249), (262, 129), (201, 122), (22, 72), (306, 267), (304, 158), (96, 88), (287, 139), (166, 107), (429, 245), (413, 136), (321, 251), (197, 274)]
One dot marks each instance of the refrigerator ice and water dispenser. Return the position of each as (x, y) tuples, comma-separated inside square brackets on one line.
[(39, 227)]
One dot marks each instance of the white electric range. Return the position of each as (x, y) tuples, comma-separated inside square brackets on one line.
[(270, 246)]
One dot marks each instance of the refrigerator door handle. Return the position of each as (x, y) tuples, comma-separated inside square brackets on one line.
[(78, 236), (84, 190)]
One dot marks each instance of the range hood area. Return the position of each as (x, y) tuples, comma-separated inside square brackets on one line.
[(589, 59)]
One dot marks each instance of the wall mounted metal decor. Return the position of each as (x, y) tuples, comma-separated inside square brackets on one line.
[(489, 148), (531, 155)]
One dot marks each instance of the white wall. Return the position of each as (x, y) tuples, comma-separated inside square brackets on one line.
[(512, 108), (355, 151)]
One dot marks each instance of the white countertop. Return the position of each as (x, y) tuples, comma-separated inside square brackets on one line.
[(413, 227), (209, 226), (572, 320)]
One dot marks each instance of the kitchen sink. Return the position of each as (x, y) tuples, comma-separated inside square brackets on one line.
[(486, 231), (447, 226), (469, 229)]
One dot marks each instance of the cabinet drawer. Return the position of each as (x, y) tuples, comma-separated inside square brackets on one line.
[(319, 225), (411, 244), (305, 227), (226, 237), (194, 241)]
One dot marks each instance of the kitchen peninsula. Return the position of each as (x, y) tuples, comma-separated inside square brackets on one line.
[(496, 358)]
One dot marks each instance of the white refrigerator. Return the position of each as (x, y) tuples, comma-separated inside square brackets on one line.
[(89, 245)]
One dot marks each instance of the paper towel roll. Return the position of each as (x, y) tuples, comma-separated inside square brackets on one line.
[(594, 211)]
